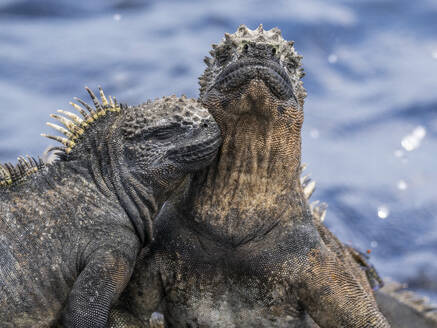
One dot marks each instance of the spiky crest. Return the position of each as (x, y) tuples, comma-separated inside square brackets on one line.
[(74, 126), (232, 44), (318, 209), (12, 174)]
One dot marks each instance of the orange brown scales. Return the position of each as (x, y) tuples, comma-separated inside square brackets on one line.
[(261, 131)]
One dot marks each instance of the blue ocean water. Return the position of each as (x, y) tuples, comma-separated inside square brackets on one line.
[(370, 131)]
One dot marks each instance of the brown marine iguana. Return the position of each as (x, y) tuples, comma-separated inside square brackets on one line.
[(71, 230), (237, 245)]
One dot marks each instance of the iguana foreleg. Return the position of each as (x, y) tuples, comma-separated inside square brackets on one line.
[(99, 284), (140, 299)]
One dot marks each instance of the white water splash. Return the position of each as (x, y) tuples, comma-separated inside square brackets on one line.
[(314, 133), (413, 140), (398, 153), (332, 59), (383, 212), (402, 185)]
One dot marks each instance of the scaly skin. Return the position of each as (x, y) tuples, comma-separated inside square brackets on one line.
[(71, 230), (402, 308), (238, 246)]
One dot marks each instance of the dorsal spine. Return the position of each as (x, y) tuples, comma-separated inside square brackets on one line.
[(75, 126), (11, 174)]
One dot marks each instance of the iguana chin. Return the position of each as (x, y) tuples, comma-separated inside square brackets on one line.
[(238, 246), (71, 230)]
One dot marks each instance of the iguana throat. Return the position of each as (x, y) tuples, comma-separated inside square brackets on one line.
[(252, 87), (255, 179), (260, 141)]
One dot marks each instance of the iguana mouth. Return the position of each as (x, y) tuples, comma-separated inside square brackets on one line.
[(243, 71)]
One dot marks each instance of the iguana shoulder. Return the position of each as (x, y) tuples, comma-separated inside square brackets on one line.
[(402, 307)]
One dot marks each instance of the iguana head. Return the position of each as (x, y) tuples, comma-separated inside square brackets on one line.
[(252, 84), (139, 153), (168, 138), (248, 55)]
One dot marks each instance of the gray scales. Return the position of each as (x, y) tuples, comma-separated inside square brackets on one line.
[(71, 230), (239, 245)]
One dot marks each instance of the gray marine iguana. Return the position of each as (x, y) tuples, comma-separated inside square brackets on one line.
[(237, 245), (71, 230)]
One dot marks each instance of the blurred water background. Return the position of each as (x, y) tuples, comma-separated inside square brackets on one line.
[(370, 131)]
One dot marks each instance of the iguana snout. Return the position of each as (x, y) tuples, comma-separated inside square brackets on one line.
[(256, 66), (167, 139), (254, 73), (200, 153), (170, 138)]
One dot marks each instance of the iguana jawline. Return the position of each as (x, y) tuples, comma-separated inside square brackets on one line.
[(245, 70), (258, 163)]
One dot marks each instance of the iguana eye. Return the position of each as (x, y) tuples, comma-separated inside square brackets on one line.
[(162, 134), (290, 66), (165, 132), (222, 59)]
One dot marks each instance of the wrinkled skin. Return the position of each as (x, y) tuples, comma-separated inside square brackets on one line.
[(238, 246), (71, 232)]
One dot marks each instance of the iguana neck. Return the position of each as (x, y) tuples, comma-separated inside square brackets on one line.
[(253, 184), (102, 161), (133, 192)]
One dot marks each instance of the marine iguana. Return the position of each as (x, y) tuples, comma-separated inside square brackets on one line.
[(71, 230), (237, 245)]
